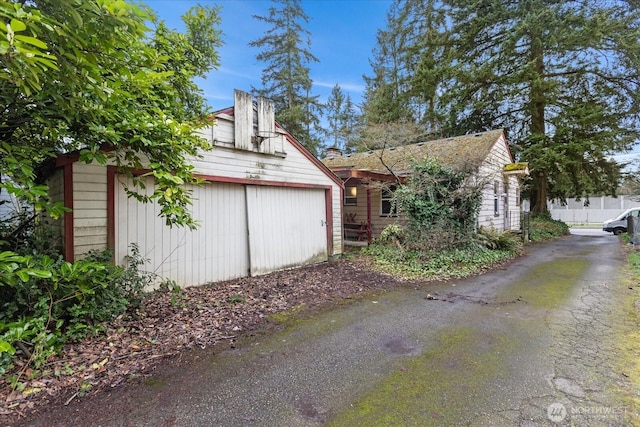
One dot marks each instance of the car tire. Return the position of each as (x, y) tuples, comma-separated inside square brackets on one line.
[(619, 231)]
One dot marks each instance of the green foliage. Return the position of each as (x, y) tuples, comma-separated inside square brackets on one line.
[(285, 78), (342, 120), (499, 240), (562, 79), (26, 233), (393, 233), (543, 228), (435, 265), (45, 301), (82, 75), (236, 299), (440, 204), (634, 262), (408, 62)]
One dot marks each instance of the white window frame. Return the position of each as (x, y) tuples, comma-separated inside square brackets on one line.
[(351, 199), (386, 195)]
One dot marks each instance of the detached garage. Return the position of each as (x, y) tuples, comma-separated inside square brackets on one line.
[(267, 204)]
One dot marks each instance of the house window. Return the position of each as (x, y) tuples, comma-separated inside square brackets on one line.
[(387, 203), (351, 196), (496, 198)]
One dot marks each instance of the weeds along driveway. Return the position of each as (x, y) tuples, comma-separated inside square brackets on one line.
[(531, 344)]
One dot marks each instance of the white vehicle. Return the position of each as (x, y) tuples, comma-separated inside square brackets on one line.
[(618, 225)]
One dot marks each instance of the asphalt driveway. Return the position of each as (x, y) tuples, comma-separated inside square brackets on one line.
[(531, 344)]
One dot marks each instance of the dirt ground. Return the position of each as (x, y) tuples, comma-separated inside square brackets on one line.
[(170, 325)]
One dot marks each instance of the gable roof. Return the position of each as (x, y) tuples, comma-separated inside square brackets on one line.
[(460, 152), (229, 112)]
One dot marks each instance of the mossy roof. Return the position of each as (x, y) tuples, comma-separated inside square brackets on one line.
[(467, 151)]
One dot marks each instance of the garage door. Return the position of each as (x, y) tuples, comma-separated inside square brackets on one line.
[(217, 250), (287, 227), (244, 230)]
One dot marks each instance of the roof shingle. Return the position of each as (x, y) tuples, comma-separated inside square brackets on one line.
[(467, 151)]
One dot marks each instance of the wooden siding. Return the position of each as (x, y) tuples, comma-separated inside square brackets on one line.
[(217, 250), (291, 167), (244, 229), (492, 171), (266, 125), (287, 227), (378, 221), (243, 123), (89, 208), (56, 192)]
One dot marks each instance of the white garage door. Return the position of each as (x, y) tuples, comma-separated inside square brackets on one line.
[(287, 227), (216, 250), (243, 230)]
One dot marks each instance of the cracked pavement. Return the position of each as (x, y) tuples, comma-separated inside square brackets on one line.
[(533, 344)]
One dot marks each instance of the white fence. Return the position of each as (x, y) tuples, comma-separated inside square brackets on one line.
[(599, 209)]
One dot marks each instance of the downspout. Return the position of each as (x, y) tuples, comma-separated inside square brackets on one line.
[(369, 226)]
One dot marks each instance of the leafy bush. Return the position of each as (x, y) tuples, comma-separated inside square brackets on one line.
[(441, 206), (543, 228), (435, 265), (393, 233), (25, 233), (500, 240), (45, 301)]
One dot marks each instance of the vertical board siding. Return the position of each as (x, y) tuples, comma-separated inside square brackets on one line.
[(266, 125), (599, 209), (287, 227), (291, 167), (243, 123), (216, 251)]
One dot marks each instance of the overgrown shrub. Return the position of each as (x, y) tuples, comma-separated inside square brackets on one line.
[(441, 265), (45, 301), (441, 205), (25, 233), (393, 233), (499, 240), (543, 228)]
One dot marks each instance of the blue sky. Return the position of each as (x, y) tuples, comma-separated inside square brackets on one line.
[(343, 34)]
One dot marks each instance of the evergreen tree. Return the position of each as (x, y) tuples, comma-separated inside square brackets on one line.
[(285, 78), (562, 77), (409, 66), (351, 124), (334, 110), (384, 97), (342, 119)]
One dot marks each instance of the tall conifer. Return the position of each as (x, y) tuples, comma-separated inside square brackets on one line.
[(285, 52)]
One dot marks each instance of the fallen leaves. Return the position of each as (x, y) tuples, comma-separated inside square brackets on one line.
[(169, 323)]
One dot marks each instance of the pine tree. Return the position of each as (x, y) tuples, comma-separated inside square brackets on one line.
[(561, 77), (342, 119), (285, 78), (408, 66), (351, 124), (384, 97)]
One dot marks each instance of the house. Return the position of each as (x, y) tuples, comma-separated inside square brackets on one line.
[(267, 204), (368, 204)]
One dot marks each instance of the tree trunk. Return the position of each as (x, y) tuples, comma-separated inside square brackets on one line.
[(537, 109), (539, 194)]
